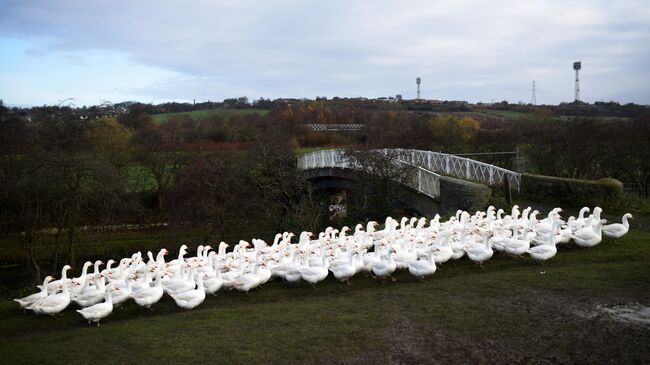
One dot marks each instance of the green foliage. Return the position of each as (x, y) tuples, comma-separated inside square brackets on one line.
[(450, 130)]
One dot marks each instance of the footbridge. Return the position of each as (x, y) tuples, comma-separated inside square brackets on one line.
[(445, 180)]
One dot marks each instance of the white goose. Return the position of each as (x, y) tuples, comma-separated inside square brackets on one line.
[(590, 235), (79, 283), (181, 283), (213, 282), (344, 271), (53, 303), (250, 280), (120, 293), (443, 251), (314, 274), (189, 299), (479, 253), (422, 268), (386, 267), (31, 299), (148, 296), (544, 251), (99, 311), (94, 294), (517, 246), (55, 285), (618, 230)]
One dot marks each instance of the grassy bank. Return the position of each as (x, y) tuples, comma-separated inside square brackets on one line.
[(513, 310)]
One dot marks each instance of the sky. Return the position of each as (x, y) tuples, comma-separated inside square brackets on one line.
[(479, 51)]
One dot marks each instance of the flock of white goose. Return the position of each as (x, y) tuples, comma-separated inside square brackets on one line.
[(416, 245)]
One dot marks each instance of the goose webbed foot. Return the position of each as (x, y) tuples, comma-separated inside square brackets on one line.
[(392, 279)]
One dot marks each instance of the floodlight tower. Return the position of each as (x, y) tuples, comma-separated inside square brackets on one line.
[(577, 66), (418, 81)]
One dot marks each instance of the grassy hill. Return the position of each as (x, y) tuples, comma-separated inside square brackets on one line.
[(197, 114), (511, 311)]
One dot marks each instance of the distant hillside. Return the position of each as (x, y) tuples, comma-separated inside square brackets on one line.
[(197, 114)]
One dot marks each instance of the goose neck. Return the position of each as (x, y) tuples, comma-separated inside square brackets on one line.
[(626, 224)]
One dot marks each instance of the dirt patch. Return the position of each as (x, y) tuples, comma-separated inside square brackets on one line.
[(526, 326), (636, 315)]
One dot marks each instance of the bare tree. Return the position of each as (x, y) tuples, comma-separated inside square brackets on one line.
[(380, 174)]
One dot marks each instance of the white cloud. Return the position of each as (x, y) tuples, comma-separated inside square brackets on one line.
[(473, 50)]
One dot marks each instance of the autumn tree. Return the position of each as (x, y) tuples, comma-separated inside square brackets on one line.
[(449, 131)]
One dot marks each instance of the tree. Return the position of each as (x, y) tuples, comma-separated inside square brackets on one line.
[(208, 190), (449, 131), (137, 117), (380, 176), (277, 185), (162, 167), (111, 141)]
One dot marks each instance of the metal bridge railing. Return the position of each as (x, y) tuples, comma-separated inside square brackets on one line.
[(428, 161), (416, 177), (459, 166)]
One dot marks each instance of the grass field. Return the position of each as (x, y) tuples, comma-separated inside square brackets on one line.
[(511, 311), (197, 114), (509, 114)]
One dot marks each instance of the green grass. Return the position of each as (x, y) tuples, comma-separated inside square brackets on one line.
[(198, 114), (305, 150), (509, 114), (513, 309)]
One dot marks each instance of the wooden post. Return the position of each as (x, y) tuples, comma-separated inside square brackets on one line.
[(506, 187)]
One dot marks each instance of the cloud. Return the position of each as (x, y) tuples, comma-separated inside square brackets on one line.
[(472, 50)]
